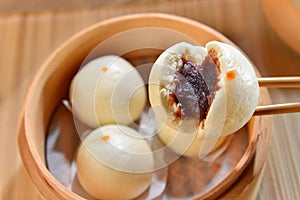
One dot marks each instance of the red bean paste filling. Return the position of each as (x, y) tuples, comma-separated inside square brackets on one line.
[(195, 88)]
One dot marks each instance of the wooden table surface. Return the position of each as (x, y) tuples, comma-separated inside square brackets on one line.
[(30, 30)]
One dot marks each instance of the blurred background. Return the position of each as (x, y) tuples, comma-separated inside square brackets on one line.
[(31, 29)]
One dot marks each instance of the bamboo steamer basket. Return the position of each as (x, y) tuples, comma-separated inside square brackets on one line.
[(51, 84)]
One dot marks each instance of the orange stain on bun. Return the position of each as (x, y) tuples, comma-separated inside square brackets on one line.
[(104, 69), (105, 137), (230, 75)]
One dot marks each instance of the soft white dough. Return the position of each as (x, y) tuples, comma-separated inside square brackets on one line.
[(240, 95), (114, 162), (107, 90), (234, 103)]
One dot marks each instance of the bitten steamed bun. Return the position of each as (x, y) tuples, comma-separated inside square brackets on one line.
[(114, 162), (107, 90), (201, 94)]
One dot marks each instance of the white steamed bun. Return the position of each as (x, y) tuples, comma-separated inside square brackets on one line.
[(107, 90), (114, 162), (228, 94)]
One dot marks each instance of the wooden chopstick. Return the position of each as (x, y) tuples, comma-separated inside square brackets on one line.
[(278, 82), (277, 109)]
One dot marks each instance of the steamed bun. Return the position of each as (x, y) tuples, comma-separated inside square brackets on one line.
[(201, 94), (114, 162), (107, 90)]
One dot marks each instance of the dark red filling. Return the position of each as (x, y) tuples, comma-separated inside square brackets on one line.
[(195, 88)]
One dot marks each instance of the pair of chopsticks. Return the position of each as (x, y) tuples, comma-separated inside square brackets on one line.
[(278, 82)]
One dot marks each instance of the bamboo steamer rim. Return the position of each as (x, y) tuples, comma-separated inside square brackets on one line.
[(35, 166)]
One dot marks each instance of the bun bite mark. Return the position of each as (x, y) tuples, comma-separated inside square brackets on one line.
[(194, 87)]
